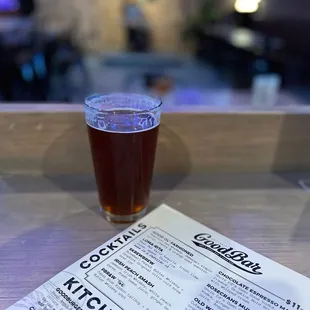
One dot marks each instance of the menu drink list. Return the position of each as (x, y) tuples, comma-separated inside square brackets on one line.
[(169, 261)]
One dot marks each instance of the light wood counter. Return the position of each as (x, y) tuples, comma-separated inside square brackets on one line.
[(48, 202), (47, 223), (52, 139)]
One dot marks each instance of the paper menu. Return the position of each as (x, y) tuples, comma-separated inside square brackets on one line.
[(169, 261)]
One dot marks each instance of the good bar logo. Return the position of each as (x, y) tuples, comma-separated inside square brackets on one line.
[(236, 258)]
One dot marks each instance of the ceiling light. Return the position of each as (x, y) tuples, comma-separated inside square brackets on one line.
[(247, 6)]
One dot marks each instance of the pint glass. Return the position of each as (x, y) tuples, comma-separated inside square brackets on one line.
[(123, 130)]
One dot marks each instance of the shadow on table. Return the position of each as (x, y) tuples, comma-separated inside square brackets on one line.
[(46, 248), (67, 165), (73, 156), (293, 147), (51, 183)]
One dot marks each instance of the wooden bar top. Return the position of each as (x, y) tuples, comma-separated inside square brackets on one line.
[(48, 222), (214, 166), (238, 138)]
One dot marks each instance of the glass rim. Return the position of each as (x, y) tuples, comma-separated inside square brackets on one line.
[(157, 101)]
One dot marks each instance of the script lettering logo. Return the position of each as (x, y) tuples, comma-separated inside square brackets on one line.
[(236, 258)]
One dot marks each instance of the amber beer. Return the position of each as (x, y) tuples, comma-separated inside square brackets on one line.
[(123, 144)]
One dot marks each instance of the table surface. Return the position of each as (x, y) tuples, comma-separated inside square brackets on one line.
[(48, 222)]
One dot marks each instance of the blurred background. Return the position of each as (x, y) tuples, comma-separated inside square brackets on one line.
[(61, 50)]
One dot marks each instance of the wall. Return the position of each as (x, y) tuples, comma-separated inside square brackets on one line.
[(98, 26), (74, 15), (164, 17)]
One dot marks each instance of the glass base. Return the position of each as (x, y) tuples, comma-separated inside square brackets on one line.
[(123, 218)]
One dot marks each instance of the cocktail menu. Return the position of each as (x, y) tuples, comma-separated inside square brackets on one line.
[(169, 261)]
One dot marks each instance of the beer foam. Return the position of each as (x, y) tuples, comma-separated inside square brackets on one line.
[(122, 120)]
